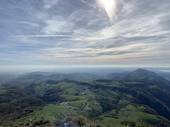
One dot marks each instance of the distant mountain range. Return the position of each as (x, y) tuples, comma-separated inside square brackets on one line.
[(131, 99), (6, 77)]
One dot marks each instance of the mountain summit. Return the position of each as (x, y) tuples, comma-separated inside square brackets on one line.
[(146, 75)]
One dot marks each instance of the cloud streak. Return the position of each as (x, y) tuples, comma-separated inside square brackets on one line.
[(79, 32)]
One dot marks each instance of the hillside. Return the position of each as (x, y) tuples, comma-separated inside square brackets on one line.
[(134, 99)]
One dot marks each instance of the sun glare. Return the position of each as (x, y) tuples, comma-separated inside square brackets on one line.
[(110, 7)]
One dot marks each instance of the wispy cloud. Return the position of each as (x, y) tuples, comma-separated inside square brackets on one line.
[(41, 36), (79, 31), (49, 3)]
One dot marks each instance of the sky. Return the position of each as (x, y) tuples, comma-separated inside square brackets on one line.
[(84, 33)]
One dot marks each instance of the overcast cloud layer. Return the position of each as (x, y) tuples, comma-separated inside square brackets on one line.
[(79, 32)]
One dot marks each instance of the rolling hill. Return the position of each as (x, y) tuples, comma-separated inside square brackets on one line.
[(131, 99)]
